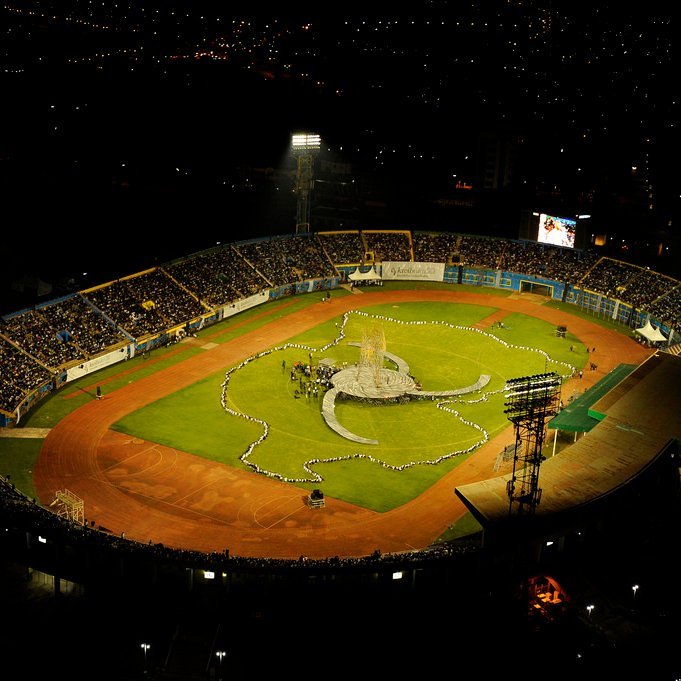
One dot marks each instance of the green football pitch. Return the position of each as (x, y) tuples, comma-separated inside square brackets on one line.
[(254, 416)]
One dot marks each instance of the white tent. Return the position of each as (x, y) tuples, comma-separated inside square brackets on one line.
[(649, 332), (371, 275)]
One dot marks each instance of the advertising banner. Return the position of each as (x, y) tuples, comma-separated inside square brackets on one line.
[(97, 363), (413, 271)]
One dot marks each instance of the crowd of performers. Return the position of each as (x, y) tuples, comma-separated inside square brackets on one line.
[(313, 380)]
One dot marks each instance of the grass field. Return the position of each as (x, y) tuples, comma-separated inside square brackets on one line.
[(418, 442), (359, 481)]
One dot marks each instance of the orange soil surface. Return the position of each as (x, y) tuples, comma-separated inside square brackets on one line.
[(157, 493)]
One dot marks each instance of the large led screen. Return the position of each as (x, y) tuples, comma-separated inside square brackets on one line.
[(556, 231)]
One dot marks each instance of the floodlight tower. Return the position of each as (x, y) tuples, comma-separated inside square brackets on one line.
[(530, 401), (305, 147)]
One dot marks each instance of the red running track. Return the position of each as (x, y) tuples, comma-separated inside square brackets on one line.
[(157, 493)]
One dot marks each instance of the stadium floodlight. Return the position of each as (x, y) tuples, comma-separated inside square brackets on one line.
[(305, 141), (220, 654), (305, 146)]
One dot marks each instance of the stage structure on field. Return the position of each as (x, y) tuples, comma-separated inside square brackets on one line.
[(372, 352), (530, 402), (305, 146), (370, 382), (68, 505)]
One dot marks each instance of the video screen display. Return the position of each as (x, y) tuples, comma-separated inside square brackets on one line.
[(556, 231)]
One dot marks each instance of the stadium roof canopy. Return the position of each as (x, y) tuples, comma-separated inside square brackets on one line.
[(641, 419), (578, 416)]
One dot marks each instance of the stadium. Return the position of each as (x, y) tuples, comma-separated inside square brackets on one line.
[(162, 435)]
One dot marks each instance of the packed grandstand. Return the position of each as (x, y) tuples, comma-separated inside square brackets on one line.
[(44, 347)]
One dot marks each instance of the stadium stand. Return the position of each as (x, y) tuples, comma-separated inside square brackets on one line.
[(61, 333), (86, 325), (146, 303), (32, 332), (284, 261), (36, 344), (218, 277), (20, 375), (435, 246), (609, 277), (667, 308), (342, 247), (482, 251), (394, 246)]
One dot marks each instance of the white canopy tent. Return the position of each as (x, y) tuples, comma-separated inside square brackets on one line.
[(649, 332), (371, 275)]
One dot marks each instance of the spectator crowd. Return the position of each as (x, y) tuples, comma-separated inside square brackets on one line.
[(37, 343)]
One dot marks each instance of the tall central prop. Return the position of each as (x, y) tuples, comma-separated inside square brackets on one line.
[(372, 352)]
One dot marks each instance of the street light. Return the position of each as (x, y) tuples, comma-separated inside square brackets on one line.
[(589, 608), (634, 589), (145, 647)]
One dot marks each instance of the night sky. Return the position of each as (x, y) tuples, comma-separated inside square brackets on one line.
[(132, 133)]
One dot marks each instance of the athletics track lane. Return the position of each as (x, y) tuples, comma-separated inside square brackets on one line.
[(157, 493)]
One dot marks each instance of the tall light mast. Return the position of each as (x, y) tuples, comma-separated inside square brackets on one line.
[(305, 146)]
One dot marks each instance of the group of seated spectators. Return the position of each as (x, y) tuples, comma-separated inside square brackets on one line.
[(20, 373), (88, 328), (174, 303), (668, 308), (608, 277), (391, 246), (435, 247), (147, 303), (34, 334), (342, 247), (481, 252), (286, 260), (218, 277), (81, 326), (117, 301), (541, 260), (645, 287)]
